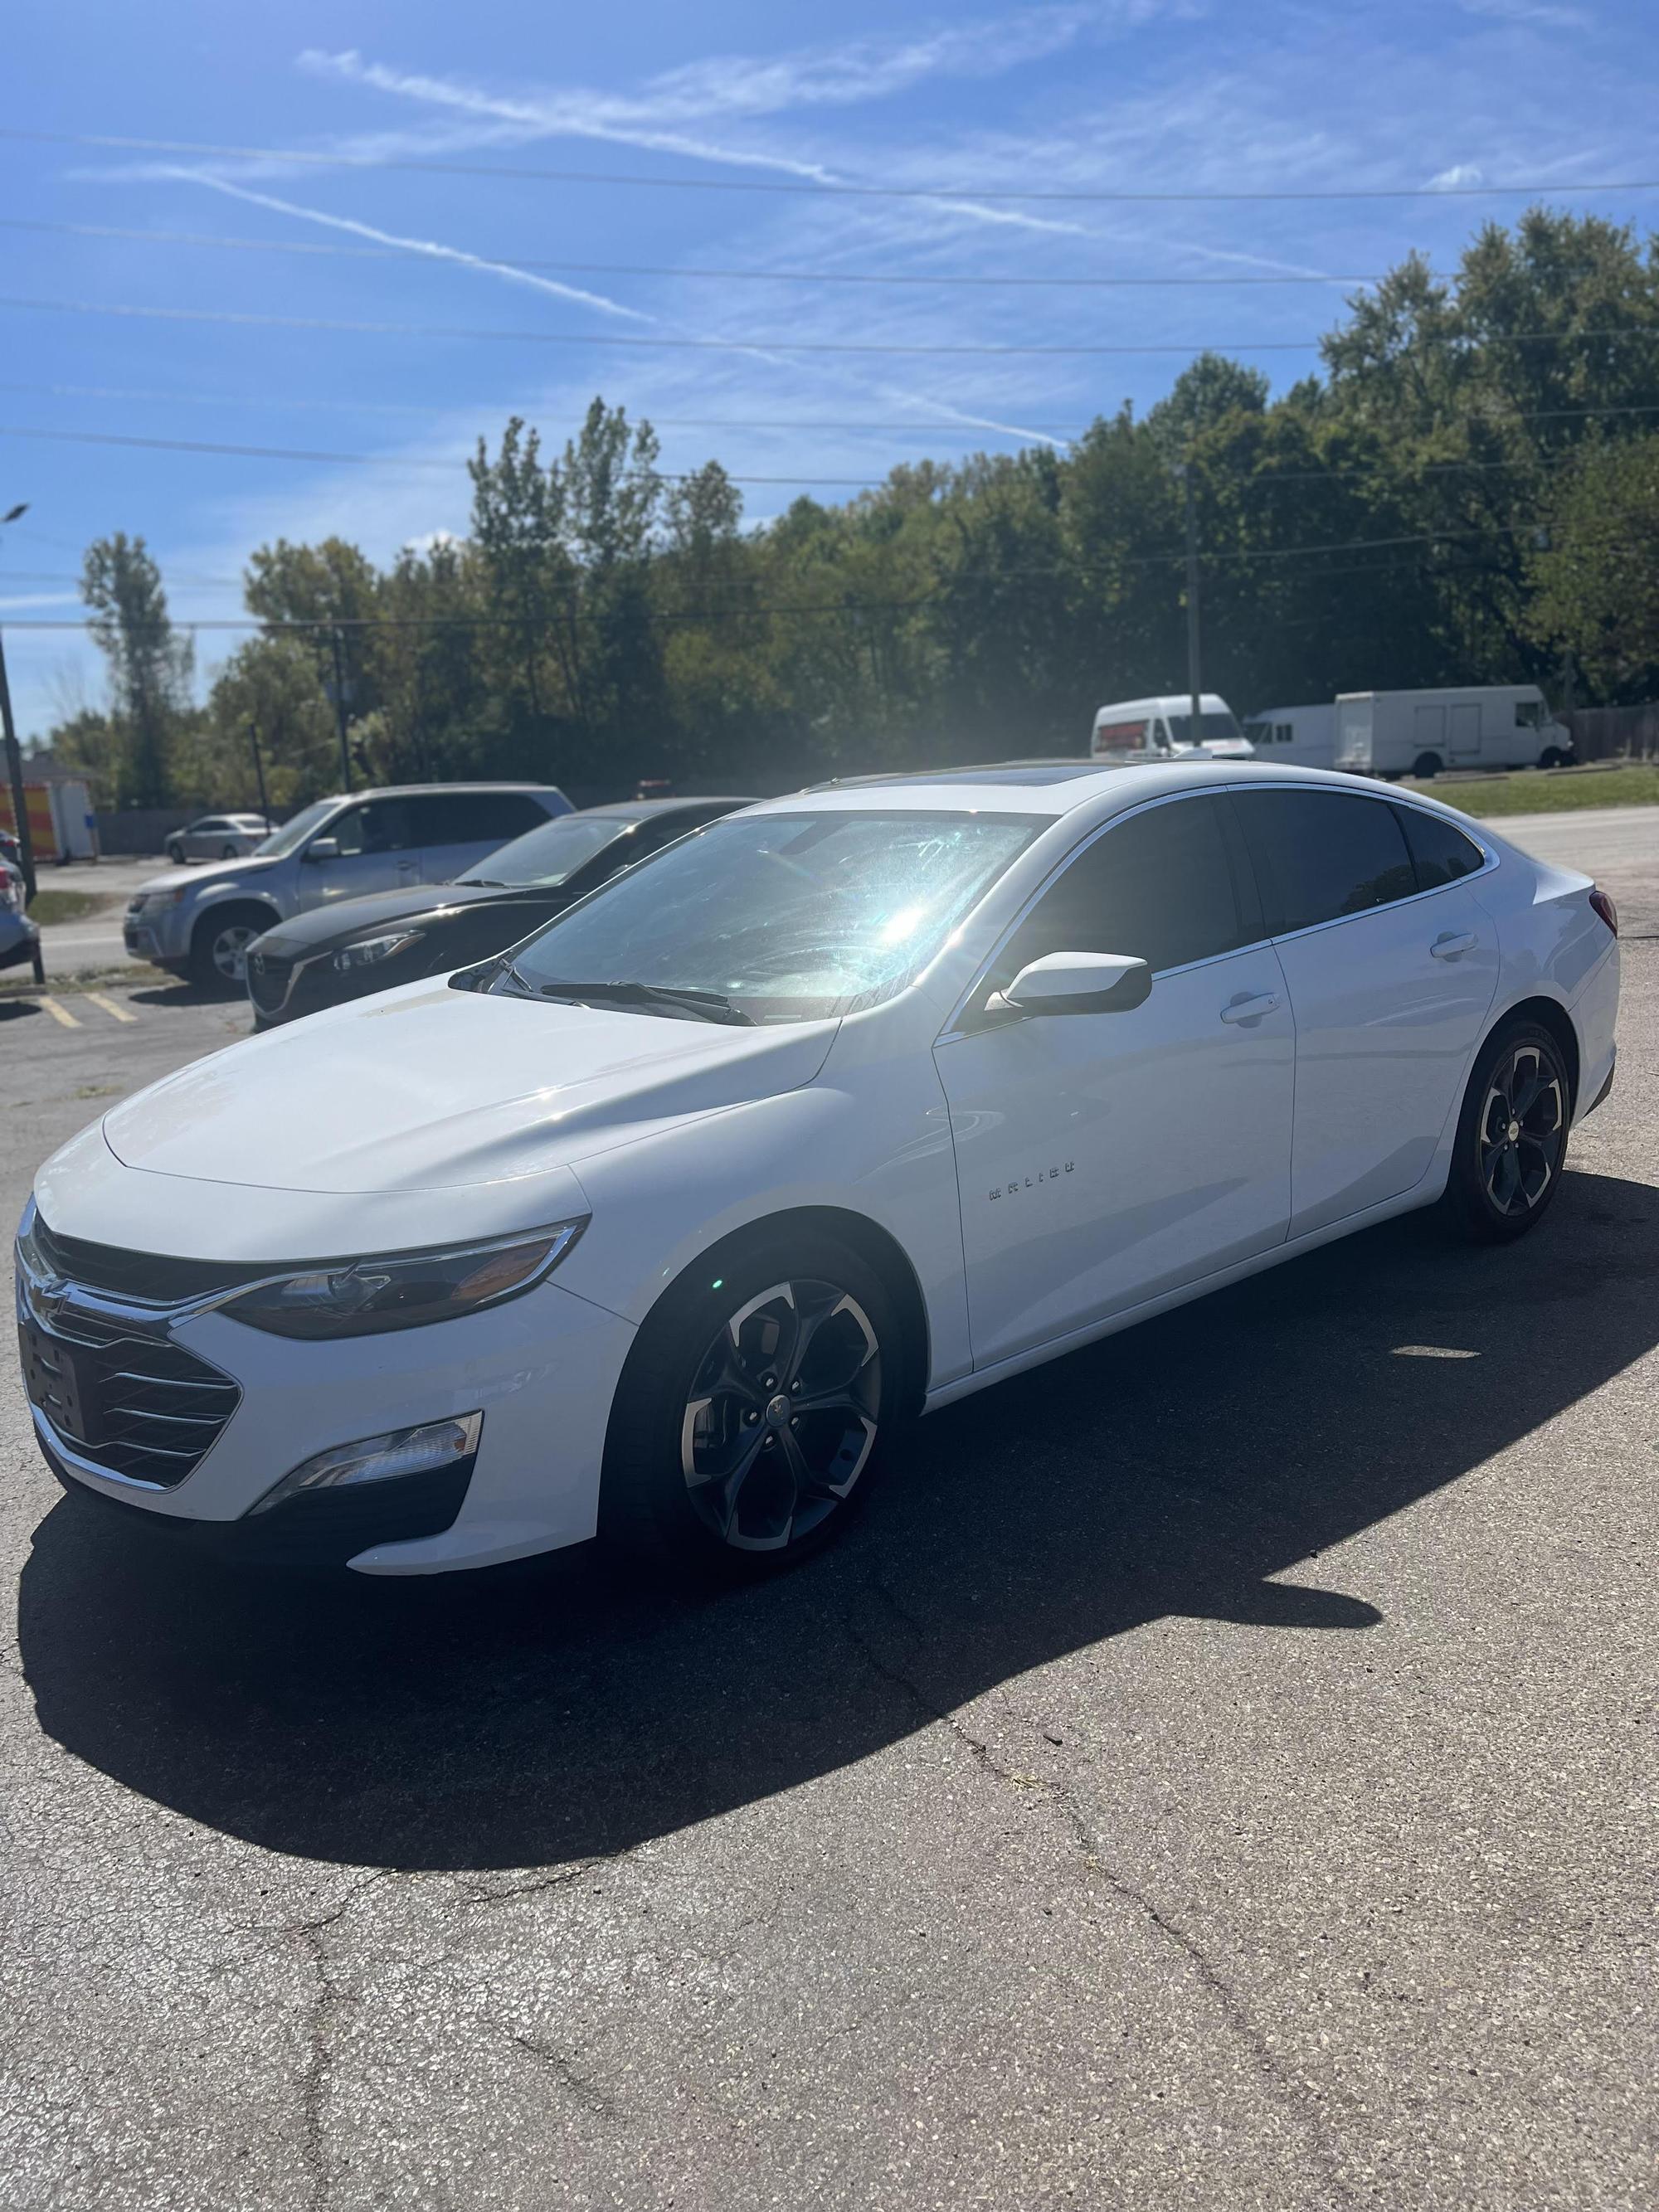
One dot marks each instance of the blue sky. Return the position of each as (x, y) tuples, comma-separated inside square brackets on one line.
[(471, 275)]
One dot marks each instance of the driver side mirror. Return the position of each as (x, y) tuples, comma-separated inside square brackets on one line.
[(1076, 983), (323, 848)]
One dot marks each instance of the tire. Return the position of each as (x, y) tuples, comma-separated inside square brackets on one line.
[(39, 964), (709, 1473), (227, 853), (218, 945), (176, 855), (1502, 1184), (1551, 757), (1426, 767)]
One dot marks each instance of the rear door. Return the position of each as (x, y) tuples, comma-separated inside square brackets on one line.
[(1391, 965), (456, 830), (1104, 1158)]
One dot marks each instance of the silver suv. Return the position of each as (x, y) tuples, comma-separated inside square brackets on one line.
[(200, 922)]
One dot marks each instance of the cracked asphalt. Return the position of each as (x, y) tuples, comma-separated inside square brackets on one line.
[(1217, 1770)]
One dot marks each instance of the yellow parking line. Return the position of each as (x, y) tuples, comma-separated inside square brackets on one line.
[(119, 1013), (58, 1014)]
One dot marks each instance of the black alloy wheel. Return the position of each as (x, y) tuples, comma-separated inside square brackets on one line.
[(751, 1409), (1512, 1134)]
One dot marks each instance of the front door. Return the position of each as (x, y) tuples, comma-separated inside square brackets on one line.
[(1104, 1158), (374, 854), (1392, 964)]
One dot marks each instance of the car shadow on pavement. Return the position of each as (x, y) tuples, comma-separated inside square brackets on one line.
[(547, 1713)]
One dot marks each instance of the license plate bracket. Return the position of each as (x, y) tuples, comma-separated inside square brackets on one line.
[(53, 1378)]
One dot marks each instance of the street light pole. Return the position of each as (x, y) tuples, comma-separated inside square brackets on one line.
[(338, 690), (259, 773), (13, 756), (1194, 676)]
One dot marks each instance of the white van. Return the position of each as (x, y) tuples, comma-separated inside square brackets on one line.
[(1421, 733), (1135, 731), (1295, 736)]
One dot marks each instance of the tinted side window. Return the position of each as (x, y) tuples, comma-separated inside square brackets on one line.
[(474, 817), (381, 826), (1319, 855), (1159, 886), (1440, 852)]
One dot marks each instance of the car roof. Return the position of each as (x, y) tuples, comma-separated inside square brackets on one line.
[(411, 790), (641, 809), (1051, 787)]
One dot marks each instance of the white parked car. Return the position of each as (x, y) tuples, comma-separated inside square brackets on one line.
[(217, 837), (837, 1109)]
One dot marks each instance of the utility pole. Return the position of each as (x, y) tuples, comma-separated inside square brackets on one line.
[(1194, 676), (337, 691), (260, 771), (13, 757)]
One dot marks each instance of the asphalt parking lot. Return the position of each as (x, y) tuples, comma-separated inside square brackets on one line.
[(1216, 1770)]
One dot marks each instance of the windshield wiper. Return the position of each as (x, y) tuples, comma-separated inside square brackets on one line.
[(707, 1006)]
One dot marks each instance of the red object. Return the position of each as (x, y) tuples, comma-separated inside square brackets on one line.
[(1605, 907), (1121, 736)]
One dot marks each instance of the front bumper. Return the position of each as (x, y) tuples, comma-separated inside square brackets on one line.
[(543, 1368)]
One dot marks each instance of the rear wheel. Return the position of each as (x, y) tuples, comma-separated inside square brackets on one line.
[(751, 1409), (175, 852), (1551, 757), (1427, 766), (227, 852), (1512, 1141), (218, 950)]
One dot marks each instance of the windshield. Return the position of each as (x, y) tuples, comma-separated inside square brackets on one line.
[(296, 832), (1213, 726), (552, 854), (790, 917)]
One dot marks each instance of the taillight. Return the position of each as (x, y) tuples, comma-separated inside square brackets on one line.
[(1605, 907)]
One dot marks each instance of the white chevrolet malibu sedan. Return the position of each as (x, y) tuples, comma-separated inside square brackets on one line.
[(837, 1110)]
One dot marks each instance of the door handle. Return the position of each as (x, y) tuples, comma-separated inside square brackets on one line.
[(1251, 1010), (1454, 945)]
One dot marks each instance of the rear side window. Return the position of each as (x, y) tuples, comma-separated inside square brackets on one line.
[(381, 826), (474, 817), (1440, 852), (1321, 855), (1160, 887)]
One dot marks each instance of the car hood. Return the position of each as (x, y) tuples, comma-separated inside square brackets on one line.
[(427, 1088), (200, 879), (346, 918)]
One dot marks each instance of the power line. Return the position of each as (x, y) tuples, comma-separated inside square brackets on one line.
[(509, 407), (317, 250), (363, 460), (768, 345), (940, 590), (799, 187), (409, 465)]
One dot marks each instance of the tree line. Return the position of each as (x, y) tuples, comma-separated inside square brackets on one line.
[(1466, 492)]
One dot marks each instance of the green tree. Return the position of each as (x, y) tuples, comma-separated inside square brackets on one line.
[(149, 664)]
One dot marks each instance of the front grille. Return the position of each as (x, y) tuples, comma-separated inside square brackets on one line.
[(152, 1276), (267, 981), (137, 1404)]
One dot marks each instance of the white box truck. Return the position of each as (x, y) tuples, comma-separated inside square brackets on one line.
[(1137, 730), (1295, 736), (1489, 726)]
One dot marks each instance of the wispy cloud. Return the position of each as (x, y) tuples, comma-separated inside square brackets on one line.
[(1462, 176), (1535, 15), (430, 248)]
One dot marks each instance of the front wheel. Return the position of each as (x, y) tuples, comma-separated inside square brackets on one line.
[(176, 855), (1551, 757), (1426, 767), (1511, 1143), (218, 950), (752, 1408)]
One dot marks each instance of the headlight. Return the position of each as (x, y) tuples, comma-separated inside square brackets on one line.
[(11, 895), (158, 902), (368, 950), (405, 1289)]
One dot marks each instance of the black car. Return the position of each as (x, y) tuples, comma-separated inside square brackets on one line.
[(361, 946)]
